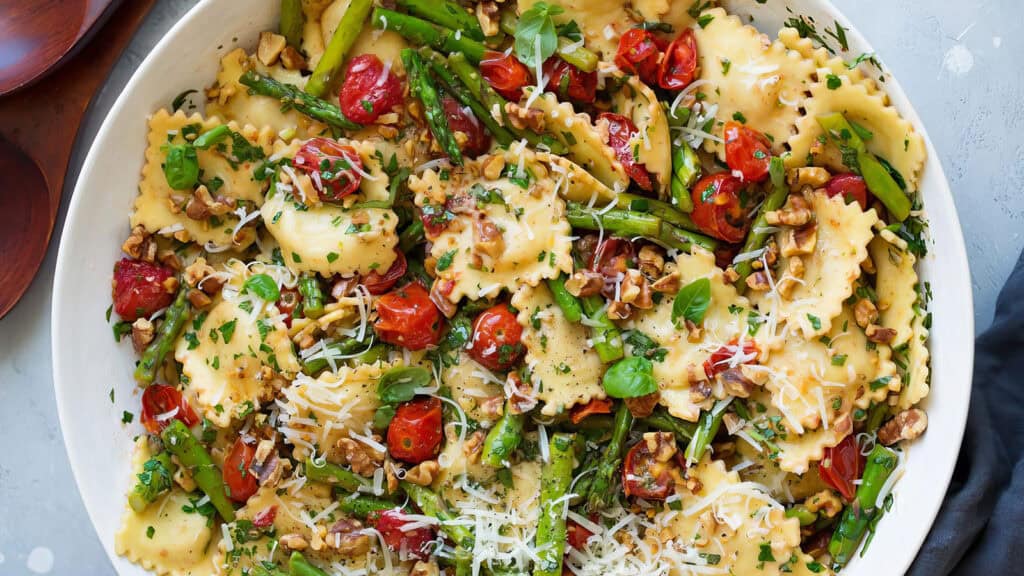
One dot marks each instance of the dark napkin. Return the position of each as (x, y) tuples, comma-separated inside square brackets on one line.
[(980, 528)]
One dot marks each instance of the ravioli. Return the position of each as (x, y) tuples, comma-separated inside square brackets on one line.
[(653, 144), (896, 288)]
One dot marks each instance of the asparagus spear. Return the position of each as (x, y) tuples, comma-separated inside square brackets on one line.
[(673, 237), (453, 86), (411, 236), (663, 210), (503, 438), (570, 305), (362, 506), (342, 348), (312, 296), (707, 428), (349, 27), (299, 566), (606, 336), (424, 33), (261, 570), (290, 95), (432, 505), (211, 137), (291, 22), (556, 477), (155, 480), (802, 514), (604, 477), (421, 86), (394, 185), (660, 419), (153, 357), (178, 439), (618, 222), (445, 13), (328, 473), (685, 170), (858, 514), (756, 238)]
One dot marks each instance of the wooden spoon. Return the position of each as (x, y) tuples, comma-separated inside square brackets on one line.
[(38, 125)]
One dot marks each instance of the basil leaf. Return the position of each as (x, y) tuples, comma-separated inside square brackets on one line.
[(692, 301), (181, 167), (629, 378), (399, 384), (536, 25), (382, 417), (263, 286)]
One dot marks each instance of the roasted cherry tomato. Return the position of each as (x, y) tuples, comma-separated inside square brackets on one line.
[(841, 465), (595, 406), (265, 518), (569, 81), (139, 289), (505, 73), (496, 342), (369, 89), (576, 535), (288, 302), (747, 151), (719, 359), (411, 543), (621, 138), (679, 66), (644, 477), (460, 119), (334, 168), (638, 54), (378, 284), (716, 207), (408, 318), (850, 186), (240, 481), (414, 434), (612, 257), (161, 404)]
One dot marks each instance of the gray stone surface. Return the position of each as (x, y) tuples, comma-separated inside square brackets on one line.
[(958, 62)]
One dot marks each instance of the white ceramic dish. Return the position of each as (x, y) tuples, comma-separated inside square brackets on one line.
[(87, 363)]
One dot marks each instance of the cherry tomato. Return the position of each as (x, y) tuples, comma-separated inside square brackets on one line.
[(577, 535), (841, 465), (369, 89), (378, 284), (569, 81), (679, 66), (410, 543), (719, 359), (850, 186), (747, 151), (505, 73), (638, 54), (161, 404), (644, 477), (595, 406), (265, 518), (139, 289), (460, 119), (496, 339), (621, 133), (333, 167), (408, 318), (716, 207), (240, 481), (288, 302), (414, 434), (612, 257)]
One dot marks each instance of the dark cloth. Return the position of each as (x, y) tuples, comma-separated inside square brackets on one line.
[(980, 528)]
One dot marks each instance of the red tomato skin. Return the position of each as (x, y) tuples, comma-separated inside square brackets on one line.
[(414, 434), (841, 465), (408, 318), (366, 81), (415, 541), (378, 284), (494, 329), (505, 73), (288, 302), (577, 535), (577, 85), (139, 290), (639, 54), (595, 406), (850, 187), (679, 66), (718, 214), (265, 518), (716, 363), (747, 151), (620, 133), (240, 481), (636, 478), (160, 399), (462, 120), (340, 179)]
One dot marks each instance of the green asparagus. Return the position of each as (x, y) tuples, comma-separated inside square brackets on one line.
[(454, 86), (328, 473), (569, 304), (291, 22), (661, 420), (445, 13), (667, 212), (178, 439), (261, 570), (424, 33), (345, 347), (802, 514), (345, 35), (395, 183), (421, 86), (757, 237), (857, 515), (312, 296), (291, 96), (211, 137), (606, 336), (707, 428), (556, 477), (361, 506), (174, 320), (432, 505), (155, 480), (503, 438), (299, 566), (603, 484), (625, 223), (685, 170), (674, 237), (411, 236)]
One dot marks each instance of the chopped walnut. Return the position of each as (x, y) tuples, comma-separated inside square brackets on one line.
[(426, 568), (347, 538), (642, 406), (812, 176), (668, 284), (292, 59), (171, 284), (797, 267), (202, 205), (735, 383), (493, 407), (906, 425), (391, 476), (270, 47), (169, 259), (694, 333), (799, 241), (474, 446), (865, 312), (619, 310), (584, 283), (825, 501), (363, 459), (423, 474), (387, 132), (731, 275), (293, 542), (700, 391), (652, 260), (487, 15), (140, 245), (523, 118), (182, 477), (796, 212), (142, 334), (758, 281), (487, 238), (493, 166), (879, 334), (661, 445), (693, 484), (635, 290), (198, 299), (868, 265)]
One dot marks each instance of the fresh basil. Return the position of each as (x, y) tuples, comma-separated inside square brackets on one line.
[(536, 27), (181, 167), (630, 378), (382, 417), (399, 384), (692, 301), (264, 286)]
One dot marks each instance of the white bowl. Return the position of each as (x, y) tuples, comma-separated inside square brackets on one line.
[(87, 363)]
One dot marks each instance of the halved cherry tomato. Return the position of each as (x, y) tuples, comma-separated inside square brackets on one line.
[(139, 289), (569, 81), (265, 518), (612, 257), (850, 186), (644, 477), (639, 52), (460, 119), (497, 335), (716, 207), (240, 481), (333, 167), (408, 543), (595, 406), (505, 73), (414, 434), (368, 90), (621, 133), (576, 535), (747, 151), (288, 302), (378, 284), (719, 359), (408, 318), (161, 404), (841, 465), (679, 66)]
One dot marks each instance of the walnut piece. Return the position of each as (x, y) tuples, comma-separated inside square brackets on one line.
[(522, 118), (347, 538), (652, 260), (825, 501), (492, 166), (879, 334), (584, 283), (906, 425), (661, 445), (865, 312), (202, 205), (142, 334), (668, 284), (293, 542), (198, 299), (735, 382), (292, 59), (799, 241), (796, 212), (423, 474), (758, 281), (270, 48), (140, 245), (812, 176), (487, 238), (642, 406), (425, 568), (474, 446), (363, 459), (619, 310), (487, 15)]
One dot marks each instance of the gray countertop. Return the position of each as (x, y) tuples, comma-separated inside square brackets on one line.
[(957, 61)]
